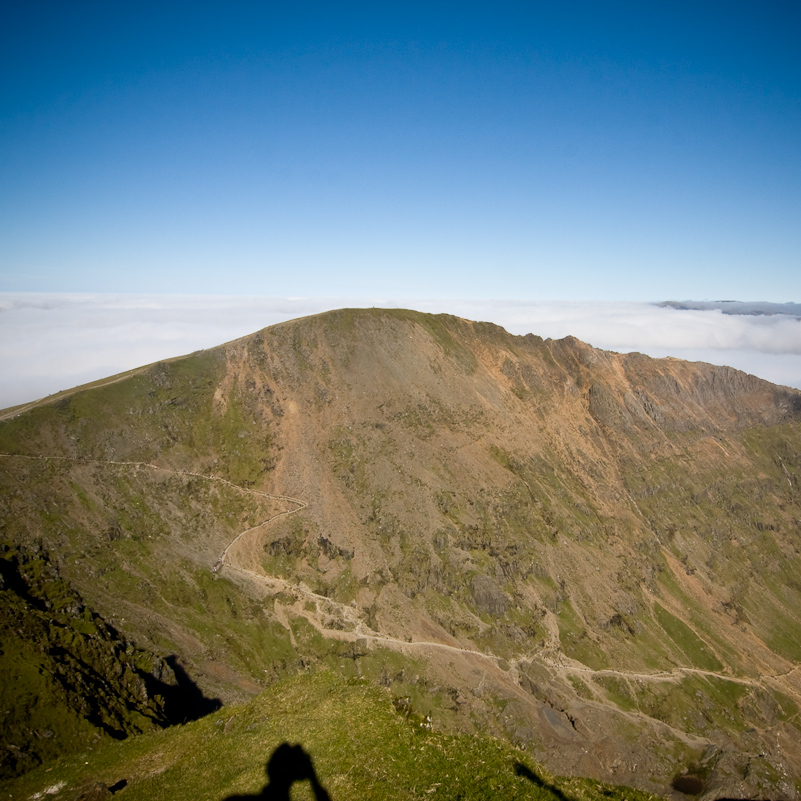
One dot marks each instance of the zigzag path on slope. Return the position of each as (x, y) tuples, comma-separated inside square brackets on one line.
[(563, 666)]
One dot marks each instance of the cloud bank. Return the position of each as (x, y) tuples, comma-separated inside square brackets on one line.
[(50, 342)]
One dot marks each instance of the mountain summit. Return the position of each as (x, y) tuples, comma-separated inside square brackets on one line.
[(592, 555)]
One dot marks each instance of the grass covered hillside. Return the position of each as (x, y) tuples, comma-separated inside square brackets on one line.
[(590, 556), (363, 745)]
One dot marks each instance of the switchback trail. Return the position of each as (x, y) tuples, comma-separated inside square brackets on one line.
[(186, 473), (352, 617)]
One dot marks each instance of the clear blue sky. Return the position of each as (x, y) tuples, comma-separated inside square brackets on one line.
[(631, 151)]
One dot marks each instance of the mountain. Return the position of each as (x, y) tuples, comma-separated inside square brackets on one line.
[(591, 555)]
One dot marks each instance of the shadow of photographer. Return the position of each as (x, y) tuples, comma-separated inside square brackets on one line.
[(287, 765), (527, 773)]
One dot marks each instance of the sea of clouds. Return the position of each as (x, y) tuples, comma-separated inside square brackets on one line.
[(51, 342)]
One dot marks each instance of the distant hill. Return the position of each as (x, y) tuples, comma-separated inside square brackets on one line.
[(593, 556), (736, 307)]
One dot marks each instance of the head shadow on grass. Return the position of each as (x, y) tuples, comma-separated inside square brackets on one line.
[(527, 773), (287, 765)]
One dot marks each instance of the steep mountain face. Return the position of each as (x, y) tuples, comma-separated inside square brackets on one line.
[(593, 555)]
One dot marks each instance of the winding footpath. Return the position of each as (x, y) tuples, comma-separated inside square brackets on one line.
[(351, 616)]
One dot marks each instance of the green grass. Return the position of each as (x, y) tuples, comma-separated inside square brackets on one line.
[(697, 652), (782, 635), (362, 745), (618, 691), (575, 639)]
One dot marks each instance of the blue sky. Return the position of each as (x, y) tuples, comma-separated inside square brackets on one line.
[(587, 151)]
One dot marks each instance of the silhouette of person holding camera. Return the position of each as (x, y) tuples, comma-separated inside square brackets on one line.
[(287, 765)]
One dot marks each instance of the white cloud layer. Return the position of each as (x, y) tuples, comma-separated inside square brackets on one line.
[(50, 342)]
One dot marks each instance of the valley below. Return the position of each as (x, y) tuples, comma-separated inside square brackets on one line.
[(588, 559)]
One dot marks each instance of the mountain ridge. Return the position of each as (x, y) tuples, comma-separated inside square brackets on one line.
[(565, 508)]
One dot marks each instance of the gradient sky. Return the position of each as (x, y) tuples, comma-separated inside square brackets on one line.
[(597, 151)]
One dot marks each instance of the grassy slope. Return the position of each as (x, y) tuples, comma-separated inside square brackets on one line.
[(137, 541), (361, 746)]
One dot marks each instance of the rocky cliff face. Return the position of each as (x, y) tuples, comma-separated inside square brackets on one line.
[(69, 678), (592, 554)]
